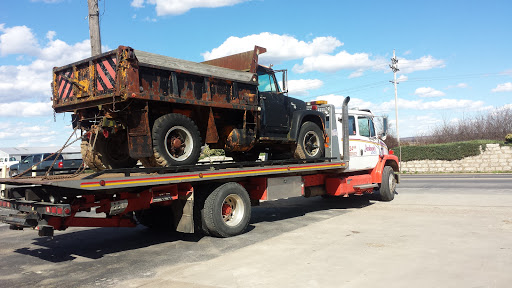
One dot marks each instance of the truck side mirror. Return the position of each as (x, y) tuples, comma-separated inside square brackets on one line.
[(284, 87), (384, 127), (285, 79)]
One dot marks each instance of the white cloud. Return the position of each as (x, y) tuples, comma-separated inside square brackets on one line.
[(356, 74), (177, 7), (26, 109), (460, 85), (33, 80), (505, 87), (302, 87), (17, 40), (341, 61), (50, 35), (428, 92), (421, 64), (137, 3), (402, 78), (279, 47)]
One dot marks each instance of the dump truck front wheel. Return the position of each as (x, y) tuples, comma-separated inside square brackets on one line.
[(176, 140), (310, 144)]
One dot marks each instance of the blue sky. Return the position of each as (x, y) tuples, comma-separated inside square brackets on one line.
[(454, 56)]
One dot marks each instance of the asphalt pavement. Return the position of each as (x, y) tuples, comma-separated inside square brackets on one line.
[(440, 231)]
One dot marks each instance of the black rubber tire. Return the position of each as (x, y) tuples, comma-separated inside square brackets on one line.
[(13, 173), (226, 222), (388, 185), (158, 218), (91, 157), (149, 162), (200, 194), (114, 152), (310, 143), (176, 126)]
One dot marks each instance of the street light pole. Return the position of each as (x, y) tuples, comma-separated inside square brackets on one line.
[(395, 69)]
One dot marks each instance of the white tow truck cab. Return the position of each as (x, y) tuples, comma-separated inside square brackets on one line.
[(365, 145)]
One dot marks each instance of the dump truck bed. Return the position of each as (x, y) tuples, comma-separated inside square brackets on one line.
[(125, 73)]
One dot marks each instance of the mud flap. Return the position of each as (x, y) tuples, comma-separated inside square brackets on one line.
[(183, 215), (140, 144)]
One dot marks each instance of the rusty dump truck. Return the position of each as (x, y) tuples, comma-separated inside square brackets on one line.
[(132, 105)]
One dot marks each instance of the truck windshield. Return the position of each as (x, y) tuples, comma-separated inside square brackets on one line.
[(266, 82), (366, 127)]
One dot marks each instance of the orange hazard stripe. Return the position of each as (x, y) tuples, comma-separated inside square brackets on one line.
[(213, 175)]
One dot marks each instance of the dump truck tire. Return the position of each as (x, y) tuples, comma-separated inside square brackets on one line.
[(176, 140), (310, 143), (388, 185), (114, 152), (91, 157), (227, 210)]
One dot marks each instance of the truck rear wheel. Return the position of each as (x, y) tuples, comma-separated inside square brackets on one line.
[(114, 151), (91, 157), (227, 210), (388, 185), (176, 140), (310, 144)]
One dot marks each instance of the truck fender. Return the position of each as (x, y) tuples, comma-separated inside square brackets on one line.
[(385, 160), (302, 116)]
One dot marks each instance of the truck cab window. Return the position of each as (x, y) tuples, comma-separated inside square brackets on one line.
[(372, 128), (364, 126), (351, 125), (266, 82), (37, 158)]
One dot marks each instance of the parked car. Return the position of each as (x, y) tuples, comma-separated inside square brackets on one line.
[(60, 166), (7, 161)]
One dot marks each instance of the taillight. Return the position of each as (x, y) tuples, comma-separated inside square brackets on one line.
[(391, 152), (61, 165)]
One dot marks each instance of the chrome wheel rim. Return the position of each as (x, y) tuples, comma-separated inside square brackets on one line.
[(392, 183), (232, 210), (178, 143), (311, 144)]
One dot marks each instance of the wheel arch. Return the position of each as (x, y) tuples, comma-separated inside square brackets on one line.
[(385, 160), (300, 117)]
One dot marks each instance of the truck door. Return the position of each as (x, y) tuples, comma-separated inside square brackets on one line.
[(275, 112), (367, 145), (364, 148)]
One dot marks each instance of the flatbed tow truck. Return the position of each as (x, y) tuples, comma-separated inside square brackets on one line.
[(213, 198)]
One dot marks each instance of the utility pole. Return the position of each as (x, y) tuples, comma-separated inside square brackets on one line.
[(395, 69), (94, 27)]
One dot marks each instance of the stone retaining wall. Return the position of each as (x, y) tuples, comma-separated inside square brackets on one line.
[(493, 159)]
